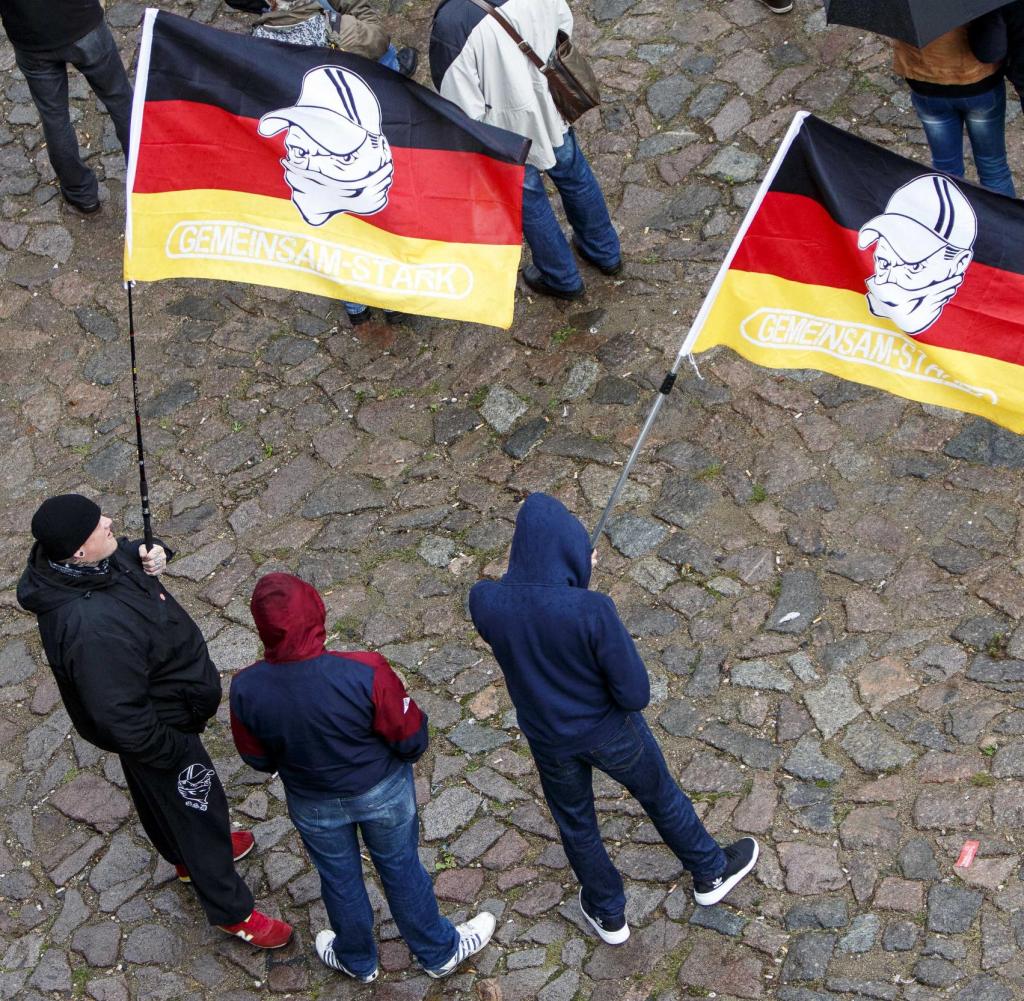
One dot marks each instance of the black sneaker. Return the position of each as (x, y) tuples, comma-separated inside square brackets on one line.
[(364, 317), (740, 857), (83, 208), (408, 60), (613, 932), (535, 281), (778, 6)]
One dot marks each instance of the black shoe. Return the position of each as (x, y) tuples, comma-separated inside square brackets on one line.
[(740, 857), (364, 317), (606, 269), (83, 208), (613, 932), (778, 6), (408, 60), (534, 280)]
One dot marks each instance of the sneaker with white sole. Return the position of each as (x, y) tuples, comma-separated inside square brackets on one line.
[(778, 6), (474, 934), (325, 950), (740, 858), (613, 932)]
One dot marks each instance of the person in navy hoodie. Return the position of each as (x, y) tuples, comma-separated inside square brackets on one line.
[(343, 733), (579, 685)]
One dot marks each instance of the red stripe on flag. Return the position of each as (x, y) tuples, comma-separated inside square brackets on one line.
[(794, 237), (436, 195)]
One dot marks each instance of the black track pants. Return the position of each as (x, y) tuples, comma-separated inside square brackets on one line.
[(185, 813)]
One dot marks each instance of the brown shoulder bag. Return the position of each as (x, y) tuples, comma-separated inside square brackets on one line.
[(570, 77)]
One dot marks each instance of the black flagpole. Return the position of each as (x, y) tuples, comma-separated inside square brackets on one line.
[(147, 525)]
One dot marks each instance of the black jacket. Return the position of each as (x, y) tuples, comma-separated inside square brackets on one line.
[(999, 35), (43, 25), (131, 665)]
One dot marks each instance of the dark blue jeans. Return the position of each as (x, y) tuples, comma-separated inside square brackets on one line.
[(95, 56), (386, 818), (632, 757), (984, 115), (585, 209)]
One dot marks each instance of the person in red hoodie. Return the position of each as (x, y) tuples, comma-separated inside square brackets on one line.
[(343, 733)]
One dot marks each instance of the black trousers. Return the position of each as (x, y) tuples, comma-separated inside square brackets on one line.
[(185, 813), (46, 74)]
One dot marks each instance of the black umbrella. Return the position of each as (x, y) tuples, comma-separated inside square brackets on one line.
[(915, 21)]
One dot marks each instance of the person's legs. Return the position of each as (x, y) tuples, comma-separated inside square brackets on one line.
[(944, 129), (634, 759), (47, 77), (96, 57), (569, 791), (551, 254), (585, 207), (328, 831), (152, 821), (388, 822), (191, 814), (985, 115)]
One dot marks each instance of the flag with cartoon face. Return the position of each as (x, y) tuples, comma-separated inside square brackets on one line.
[(319, 171), (858, 262)]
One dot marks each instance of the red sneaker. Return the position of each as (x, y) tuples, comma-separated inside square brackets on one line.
[(261, 931), (242, 842)]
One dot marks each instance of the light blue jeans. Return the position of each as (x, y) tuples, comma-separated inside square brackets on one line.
[(386, 818), (585, 209), (984, 115)]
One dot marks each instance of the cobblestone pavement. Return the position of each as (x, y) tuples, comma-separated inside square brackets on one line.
[(863, 739)]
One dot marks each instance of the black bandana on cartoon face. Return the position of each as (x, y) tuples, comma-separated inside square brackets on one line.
[(923, 246), (194, 785), (337, 159)]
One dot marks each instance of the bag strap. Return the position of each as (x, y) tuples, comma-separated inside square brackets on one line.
[(521, 42)]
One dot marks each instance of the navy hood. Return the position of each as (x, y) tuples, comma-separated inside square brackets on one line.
[(550, 545)]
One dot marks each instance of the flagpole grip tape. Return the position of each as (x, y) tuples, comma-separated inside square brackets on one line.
[(667, 383)]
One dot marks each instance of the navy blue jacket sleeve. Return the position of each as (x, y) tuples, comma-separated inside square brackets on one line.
[(623, 669)]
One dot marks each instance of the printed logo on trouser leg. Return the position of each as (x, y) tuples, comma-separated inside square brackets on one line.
[(194, 785)]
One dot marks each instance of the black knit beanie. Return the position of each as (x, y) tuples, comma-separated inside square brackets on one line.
[(63, 523)]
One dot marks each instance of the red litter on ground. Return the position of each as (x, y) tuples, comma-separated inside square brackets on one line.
[(967, 853)]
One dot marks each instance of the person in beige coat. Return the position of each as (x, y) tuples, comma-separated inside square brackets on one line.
[(950, 89)]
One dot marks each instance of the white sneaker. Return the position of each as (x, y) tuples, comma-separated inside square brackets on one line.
[(474, 934), (612, 932), (325, 950)]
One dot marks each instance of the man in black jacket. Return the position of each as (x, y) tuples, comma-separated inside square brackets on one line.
[(46, 37), (136, 679)]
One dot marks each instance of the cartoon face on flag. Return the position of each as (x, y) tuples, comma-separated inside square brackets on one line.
[(924, 242), (337, 159)]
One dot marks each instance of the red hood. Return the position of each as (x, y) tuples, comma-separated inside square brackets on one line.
[(289, 615)]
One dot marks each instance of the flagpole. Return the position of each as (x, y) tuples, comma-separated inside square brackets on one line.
[(691, 337), (663, 390), (147, 525)]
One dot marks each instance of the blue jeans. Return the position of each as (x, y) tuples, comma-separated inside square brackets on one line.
[(386, 818), (95, 56), (632, 757), (585, 209), (984, 115)]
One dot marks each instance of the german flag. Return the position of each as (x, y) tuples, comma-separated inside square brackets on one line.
[(858, 262), (316, 170)]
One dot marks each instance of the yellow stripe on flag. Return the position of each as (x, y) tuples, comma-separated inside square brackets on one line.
[(244, 237), (785, 324)]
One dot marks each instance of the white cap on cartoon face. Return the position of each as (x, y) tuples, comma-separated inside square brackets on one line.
[(335, 107), (925, 215)]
